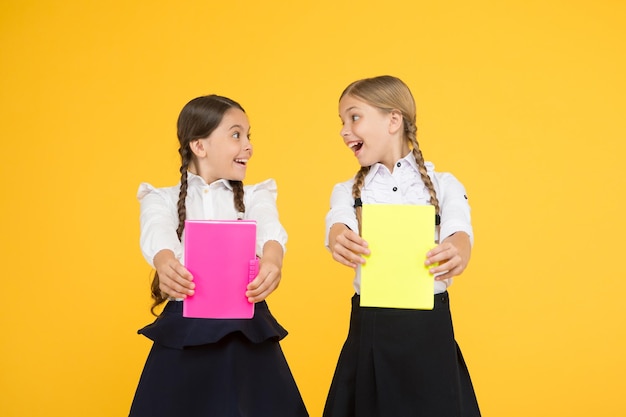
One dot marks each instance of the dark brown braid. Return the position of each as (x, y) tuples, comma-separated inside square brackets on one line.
[(182, 194), (196, 121), (185, 155), (238, 196)]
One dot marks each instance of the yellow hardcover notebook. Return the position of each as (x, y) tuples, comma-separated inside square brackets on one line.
[(394, 274)]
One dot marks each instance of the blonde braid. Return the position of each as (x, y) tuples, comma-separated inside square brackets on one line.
[(359, 178), (411, 131)]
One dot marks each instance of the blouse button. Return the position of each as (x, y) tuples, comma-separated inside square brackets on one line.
[(395, 189), (398, 164), (206, 191)]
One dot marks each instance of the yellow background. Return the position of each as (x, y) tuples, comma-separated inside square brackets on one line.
[(523, 101)]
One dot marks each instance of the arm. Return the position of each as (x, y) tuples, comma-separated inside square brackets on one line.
[(456, 233), (346, 246), (261, 206), (268, 278), (159, 242), (174, 279), (452, 254), (271, 240)]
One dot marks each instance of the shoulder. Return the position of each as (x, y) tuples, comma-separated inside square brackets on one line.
[(446, 183), (264, 189), (147, 191), (267, 185), (438, 175), (347, 185), (341, 194)]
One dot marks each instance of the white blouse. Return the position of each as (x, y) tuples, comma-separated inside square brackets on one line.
[(159, 213), (404, 186)]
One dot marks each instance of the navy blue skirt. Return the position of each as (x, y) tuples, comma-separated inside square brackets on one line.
[(216, 367), (401, 363)]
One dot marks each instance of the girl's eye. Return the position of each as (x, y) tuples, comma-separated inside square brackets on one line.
[(236, 135), (354, 117)]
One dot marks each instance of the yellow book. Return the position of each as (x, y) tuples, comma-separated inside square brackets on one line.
[(394, 274)]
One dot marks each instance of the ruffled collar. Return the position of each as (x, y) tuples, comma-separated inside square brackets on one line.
[(193, 179), (409, 158)]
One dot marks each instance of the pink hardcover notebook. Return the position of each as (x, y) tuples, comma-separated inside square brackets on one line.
[(221, 256)]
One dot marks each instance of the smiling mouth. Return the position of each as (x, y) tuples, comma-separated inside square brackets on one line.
[(355, 146), (242, 162)]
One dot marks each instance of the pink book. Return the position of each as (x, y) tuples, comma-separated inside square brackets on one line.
[(221, 256)]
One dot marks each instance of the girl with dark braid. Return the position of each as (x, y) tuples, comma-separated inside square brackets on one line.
[(397, 362), (212, 367)]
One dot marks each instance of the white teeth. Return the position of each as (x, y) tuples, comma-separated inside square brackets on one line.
[(241, 161), (353, 145)]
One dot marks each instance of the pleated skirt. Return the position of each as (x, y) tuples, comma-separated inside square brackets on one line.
[(401, 363), (221, 368)]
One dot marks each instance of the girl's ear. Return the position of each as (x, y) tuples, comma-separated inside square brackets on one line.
[(396, 121), (197, 147)]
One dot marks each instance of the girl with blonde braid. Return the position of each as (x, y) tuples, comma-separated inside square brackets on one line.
[(212, 367), (397, 362)]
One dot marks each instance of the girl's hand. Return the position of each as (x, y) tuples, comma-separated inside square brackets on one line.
[(268, 278), (452, 254), (346, 246), (174, 279)]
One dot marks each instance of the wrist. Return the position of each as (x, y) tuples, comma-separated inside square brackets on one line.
[(162, 256)]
